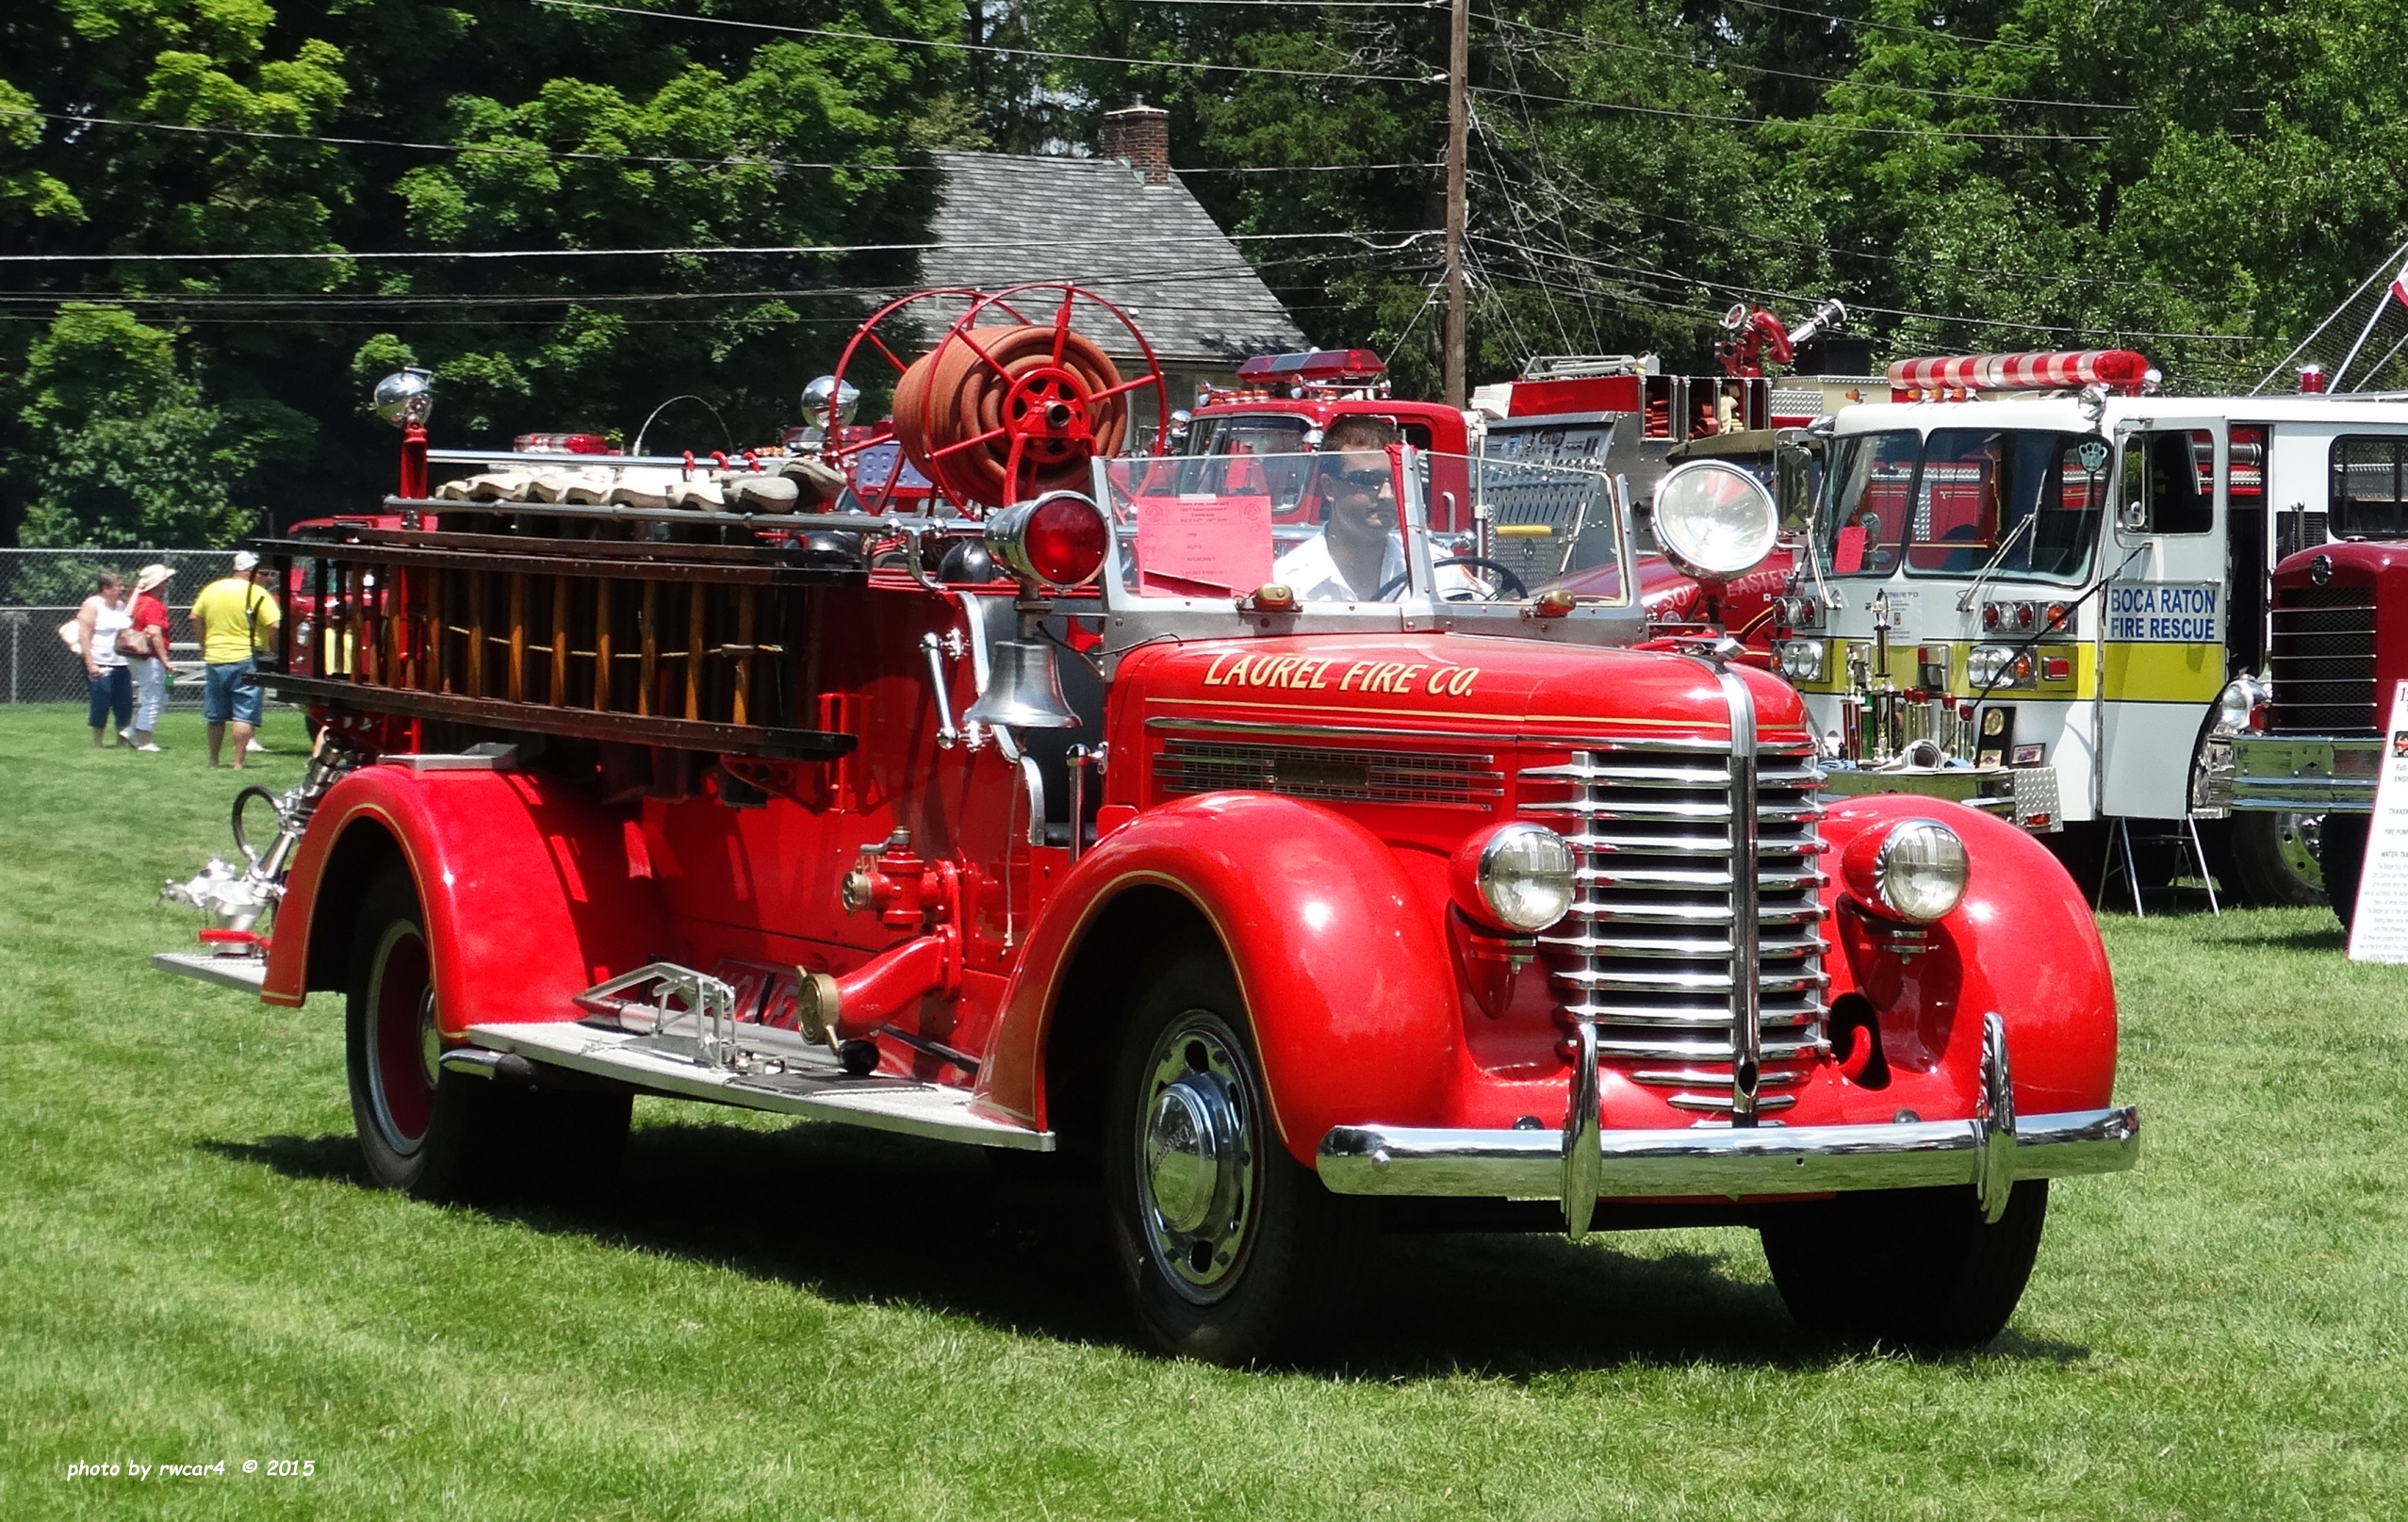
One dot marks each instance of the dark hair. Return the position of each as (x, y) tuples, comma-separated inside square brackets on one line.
[(1359, 431), (108, 580)]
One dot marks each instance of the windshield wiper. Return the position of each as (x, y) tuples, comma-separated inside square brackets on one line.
[(1965, 599)]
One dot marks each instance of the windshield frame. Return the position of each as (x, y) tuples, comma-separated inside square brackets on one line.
[(2017, 529), (1410, 471)]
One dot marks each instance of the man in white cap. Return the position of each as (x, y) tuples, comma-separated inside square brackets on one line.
[(235, 614)]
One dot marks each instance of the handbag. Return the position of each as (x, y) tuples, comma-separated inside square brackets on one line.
[(71, 633), (132, 642)]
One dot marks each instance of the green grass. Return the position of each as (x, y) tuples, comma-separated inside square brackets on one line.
[(803, 1321)]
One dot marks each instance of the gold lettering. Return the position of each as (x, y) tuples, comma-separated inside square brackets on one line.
[(1406, 677), (1460, 683), (1438, 679), (1348, 680), (1212, 672), (1321, 672), (1284, 668), (1236, 676)]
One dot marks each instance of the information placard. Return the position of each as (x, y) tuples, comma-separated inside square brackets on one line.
[(2378, 930)]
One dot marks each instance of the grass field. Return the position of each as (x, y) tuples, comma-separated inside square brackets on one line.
[(802, 1321)]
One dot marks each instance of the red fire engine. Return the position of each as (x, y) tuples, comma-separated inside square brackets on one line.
[(1290, 904)]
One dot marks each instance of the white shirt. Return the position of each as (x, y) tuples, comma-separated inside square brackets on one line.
[(1311, 572)]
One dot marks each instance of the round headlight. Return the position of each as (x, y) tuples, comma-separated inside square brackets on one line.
[(1712, 518), (1516, 877), (1915, 868)]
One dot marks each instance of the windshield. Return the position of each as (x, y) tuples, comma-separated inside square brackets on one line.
[(1351, 526), (1947, 504)]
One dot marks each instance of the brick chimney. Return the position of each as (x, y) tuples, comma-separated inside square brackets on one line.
[(1140, 136)]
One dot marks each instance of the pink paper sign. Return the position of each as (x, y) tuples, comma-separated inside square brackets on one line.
[(1193, 547), (1848, 553)]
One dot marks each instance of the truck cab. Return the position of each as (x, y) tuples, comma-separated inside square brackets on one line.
[(2045, 593)]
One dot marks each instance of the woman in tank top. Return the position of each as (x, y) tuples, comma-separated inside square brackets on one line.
[(104, 615)]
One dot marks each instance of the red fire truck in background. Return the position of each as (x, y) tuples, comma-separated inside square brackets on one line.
[(1286, 918)]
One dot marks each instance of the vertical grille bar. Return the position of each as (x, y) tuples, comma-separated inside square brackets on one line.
[(1747, 989)]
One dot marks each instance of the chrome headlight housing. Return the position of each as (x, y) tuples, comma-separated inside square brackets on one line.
[(2240, 708), (1799, 660), (1516, 877), (1917, 872), (1989, 668), (1714, 519)]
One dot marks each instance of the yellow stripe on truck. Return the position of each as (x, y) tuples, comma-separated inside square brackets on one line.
[(2152, 672)]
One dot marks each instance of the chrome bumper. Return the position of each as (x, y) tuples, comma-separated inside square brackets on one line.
[(1730, 1163), (2305, 775), (1584, 1163)]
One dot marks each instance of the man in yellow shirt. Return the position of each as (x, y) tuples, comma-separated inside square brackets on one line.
[(235, 614)]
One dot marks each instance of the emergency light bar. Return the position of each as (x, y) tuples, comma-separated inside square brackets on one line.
[(2070, 369), (1328, 367)]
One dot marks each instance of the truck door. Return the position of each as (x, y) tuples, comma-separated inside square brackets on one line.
[(2164, 611)]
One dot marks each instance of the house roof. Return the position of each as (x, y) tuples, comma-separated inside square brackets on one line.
[(1151, 250)]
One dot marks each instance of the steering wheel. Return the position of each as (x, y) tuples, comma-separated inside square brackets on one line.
[(1508, 584)]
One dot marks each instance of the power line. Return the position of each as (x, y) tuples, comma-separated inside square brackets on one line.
[(945, 44), (1038, 162), (1410, 235), (1931, 32), (1855, 306), (1495, 20), (1808, 124)]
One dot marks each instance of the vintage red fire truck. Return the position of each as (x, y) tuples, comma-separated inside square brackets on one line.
[(1289, 916)]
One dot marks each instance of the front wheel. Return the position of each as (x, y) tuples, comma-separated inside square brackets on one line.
[(441, 1135), (1917, 1269), (1231, 1251)]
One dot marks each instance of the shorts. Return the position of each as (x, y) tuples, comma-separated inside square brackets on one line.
[(228, 695)]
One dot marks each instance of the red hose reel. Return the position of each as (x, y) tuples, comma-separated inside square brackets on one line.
[(1003, 409)]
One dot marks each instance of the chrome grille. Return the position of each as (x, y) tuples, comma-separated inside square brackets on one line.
[(1647, 954), (2322, 659), (1327, 774)]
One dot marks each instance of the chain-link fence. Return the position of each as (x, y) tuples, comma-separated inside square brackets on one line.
[(42, 589)]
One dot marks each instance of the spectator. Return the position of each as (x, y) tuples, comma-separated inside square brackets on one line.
[(234, 613), (150, 667), (100, 624)]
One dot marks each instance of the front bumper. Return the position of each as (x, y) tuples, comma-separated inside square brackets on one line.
[(1729, 1163), (2306, 773), (1585, 1163)]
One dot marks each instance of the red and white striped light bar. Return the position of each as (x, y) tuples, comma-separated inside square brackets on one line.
[(2059, 370)]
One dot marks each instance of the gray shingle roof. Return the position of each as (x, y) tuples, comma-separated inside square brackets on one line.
[(1149, 249)]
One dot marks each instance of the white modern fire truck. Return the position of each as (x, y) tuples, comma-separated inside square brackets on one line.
[(2031, 576)]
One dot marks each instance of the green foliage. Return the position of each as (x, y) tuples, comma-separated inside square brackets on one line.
[(2201, 180), (120, 448)]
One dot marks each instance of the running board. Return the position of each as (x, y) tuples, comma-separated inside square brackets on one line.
[(787, 1076), (244, 974)]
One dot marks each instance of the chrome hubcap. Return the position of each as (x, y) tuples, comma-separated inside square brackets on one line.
[(1196, 1157), (2298, 835)]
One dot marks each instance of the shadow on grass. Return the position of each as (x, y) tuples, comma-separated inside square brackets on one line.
[(2326, 938), (1006, 1240)]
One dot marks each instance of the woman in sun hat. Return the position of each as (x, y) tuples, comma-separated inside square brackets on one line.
[(150, 667)]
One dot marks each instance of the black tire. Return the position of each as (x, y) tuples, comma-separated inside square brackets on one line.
[(1913, 1269), (443, 1136), (1266, 1267), (2341, 843), (2273, 859)]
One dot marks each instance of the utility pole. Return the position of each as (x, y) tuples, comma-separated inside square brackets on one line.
[(1458, 128)]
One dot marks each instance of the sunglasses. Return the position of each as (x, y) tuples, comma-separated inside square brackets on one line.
[(1366, 480)]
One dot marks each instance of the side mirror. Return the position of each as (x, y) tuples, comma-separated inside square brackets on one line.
[(1794, 482)]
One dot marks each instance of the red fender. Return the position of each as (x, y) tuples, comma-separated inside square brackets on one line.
[(2020, 941), (1343, 969), (525, 882)]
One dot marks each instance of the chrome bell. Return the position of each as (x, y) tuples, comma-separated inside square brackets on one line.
[(1024, 690), (404, 397)]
